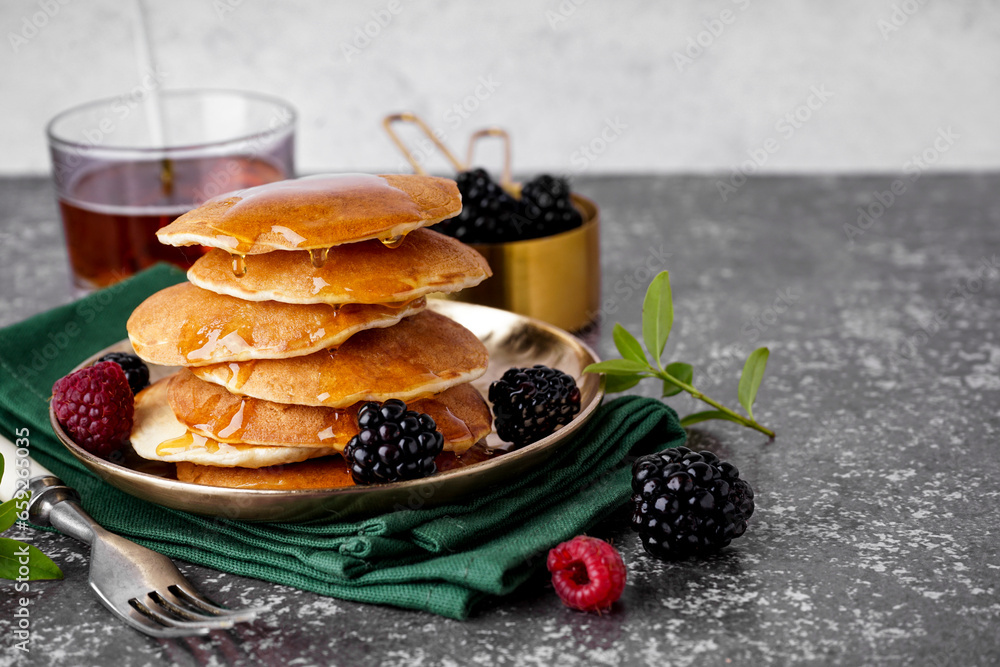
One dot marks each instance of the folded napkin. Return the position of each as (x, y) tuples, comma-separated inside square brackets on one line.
[(442, 559)]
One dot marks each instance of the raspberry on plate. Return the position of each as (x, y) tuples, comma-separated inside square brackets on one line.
[(587, 573), (95, 406), (393, 444), (531, 403), (688, 503)]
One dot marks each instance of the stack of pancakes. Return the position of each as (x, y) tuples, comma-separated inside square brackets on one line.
[(310, 302)]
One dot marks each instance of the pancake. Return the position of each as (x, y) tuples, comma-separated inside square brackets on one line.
[(367, 272), (158, 436), (184, 325), (422, 355), (461, 414), (327, 472), (316, 212)]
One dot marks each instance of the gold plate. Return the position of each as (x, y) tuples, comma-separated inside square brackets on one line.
[(512, 340)]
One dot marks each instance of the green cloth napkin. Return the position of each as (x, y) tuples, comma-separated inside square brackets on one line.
[(443, 559)]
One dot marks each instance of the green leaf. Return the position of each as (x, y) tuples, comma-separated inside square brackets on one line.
[(753, 373), (617, 367), (657, 315), (9, 511), (615, 383), (706, 416), (39, 565), (628, 346), (681, 371), (1, 466)]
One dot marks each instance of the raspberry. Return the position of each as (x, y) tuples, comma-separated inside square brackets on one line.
[(95, 406), (393, 444), (531, 403), (688, 503), (136, 371), (587, 573)]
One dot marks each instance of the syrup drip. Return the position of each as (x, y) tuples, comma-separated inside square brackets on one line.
[(239, 265), (393, 241), (318, 257), (184, 442)]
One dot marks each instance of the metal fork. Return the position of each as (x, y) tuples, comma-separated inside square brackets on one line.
[(139, 586)]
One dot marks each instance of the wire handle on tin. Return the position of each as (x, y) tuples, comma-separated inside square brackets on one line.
[(410, 117), (505, 179)]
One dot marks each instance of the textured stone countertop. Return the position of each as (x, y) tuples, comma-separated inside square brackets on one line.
[(875, 540)]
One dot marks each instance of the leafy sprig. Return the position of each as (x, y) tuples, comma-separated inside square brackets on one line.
[(634, 366), (12, 552)]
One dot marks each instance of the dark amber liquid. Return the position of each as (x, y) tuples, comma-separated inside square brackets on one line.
[(112, 213)]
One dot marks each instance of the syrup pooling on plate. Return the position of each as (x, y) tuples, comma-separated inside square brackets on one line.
[(320, 202)]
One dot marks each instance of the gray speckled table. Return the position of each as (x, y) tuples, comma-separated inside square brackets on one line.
[(878, 504)]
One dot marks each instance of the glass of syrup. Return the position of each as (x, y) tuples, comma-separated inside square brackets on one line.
[(124, 167)]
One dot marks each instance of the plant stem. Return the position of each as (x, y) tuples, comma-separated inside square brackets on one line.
[(749, 422)]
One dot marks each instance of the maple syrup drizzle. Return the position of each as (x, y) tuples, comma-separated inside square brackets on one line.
[(239, 265), (393, 241), (318, 257)]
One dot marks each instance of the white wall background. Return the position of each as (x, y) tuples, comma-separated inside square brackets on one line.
[(897, 71)]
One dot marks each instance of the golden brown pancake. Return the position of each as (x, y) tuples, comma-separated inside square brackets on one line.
[(461, 414), (422, 355), (328, 472), (316, 212), (366, 272), (184, 325), (158, 436)]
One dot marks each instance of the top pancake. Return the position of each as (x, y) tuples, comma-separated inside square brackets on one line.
[(316, 212), (367, 272), (184, 325)]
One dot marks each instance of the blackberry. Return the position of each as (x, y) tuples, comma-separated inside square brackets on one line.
[(487, 210), (530, 403), (393, 444), (545, 203), (687, 503), (135, 370)]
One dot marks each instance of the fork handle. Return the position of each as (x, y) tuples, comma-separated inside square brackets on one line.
[(55, 504)]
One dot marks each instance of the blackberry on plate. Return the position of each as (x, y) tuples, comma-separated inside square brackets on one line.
[(687, 503), (393, 444), (135, 370), (531, 403), (545, 202), (487, 210)]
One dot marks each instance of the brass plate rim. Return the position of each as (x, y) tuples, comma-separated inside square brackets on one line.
[(116, 474)]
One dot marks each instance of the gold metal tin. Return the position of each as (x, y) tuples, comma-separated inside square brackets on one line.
[(512, 340), (557, 278)]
